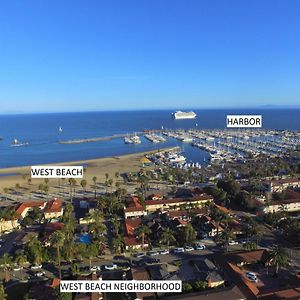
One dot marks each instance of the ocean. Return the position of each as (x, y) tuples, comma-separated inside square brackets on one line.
[(41, 131)]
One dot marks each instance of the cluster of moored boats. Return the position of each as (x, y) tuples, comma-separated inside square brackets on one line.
[(238, 144), (135, 139), (155, 138)]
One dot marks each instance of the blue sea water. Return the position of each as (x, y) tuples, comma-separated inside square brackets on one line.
[(41, 131)]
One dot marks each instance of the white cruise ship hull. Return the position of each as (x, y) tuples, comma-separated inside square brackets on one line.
[(180, 115)]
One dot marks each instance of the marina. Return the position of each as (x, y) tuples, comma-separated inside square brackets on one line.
[(81, 136)]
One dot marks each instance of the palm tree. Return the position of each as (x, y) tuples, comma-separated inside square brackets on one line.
[(117, 243), (6, 263), (101, 203), (3, 295), (226, 236), (167, 237), (20, 258), (35, 251), (57, 241), (95, 185), (46, 189), (217, 216), (278, 258), (188, 234), (83, 184), (142, 232)]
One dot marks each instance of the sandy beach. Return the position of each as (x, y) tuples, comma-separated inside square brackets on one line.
[(9, 177)]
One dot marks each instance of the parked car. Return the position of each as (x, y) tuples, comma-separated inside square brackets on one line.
[(39, 274), (119, 257), (188, 248), (110, 267), (164, 251), (231, 243), (17, 268), (200, 247), (36, 267), (139, 255), (251, 276), (94, 268), (153, 261), (152, 253), (179, 250)]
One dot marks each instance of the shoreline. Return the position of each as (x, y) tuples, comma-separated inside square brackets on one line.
[(98, 167)]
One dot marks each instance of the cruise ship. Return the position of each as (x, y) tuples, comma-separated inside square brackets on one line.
[(184, 115)]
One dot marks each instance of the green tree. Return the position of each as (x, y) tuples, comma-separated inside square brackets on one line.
[(95, 186), (167, 237), (20, 258), (186, 287), (278, 258), (83, 184), (142, 232), (34, 251), (3, 295), (57, 241), (187, 234), (6, 263)]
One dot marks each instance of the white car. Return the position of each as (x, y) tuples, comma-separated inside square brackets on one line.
[(17, 268), (36, 267), (152, 253), (200, 247), (251, 276), (164, 251), (139, 255), (178, 250), (231, 243), (110, 267), (39, 274), (188, 248)]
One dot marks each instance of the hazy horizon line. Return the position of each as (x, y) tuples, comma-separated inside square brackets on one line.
[(267, 106)]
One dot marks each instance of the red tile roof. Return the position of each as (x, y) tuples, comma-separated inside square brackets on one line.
[(22, 206), (55, 282), (131, 225), (53, 206)]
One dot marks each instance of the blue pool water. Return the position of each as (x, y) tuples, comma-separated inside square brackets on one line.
[(85, 239)]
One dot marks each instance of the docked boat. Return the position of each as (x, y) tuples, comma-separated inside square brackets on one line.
[(180, 115), (128, 140), (136, 139)]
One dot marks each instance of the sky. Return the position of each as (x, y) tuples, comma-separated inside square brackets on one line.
[(148, 54)]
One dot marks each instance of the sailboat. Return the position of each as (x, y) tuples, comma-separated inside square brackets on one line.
[(16, 143), (60, 129)]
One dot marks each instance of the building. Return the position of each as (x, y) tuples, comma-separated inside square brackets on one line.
[(140, 274), (290, 204), (22, 209), (278, 186), (207, 225), (133, 208), (175, 203), (236, 266), (8, 225), (208, 272), (284, 205), (130, 238), (53, 209)]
